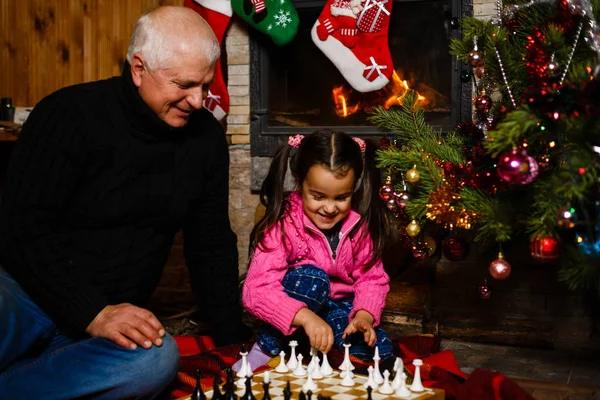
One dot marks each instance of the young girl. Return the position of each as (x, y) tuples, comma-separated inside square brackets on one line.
[(315, 255)]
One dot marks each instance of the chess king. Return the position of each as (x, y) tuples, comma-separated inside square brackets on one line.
[(316, 253)]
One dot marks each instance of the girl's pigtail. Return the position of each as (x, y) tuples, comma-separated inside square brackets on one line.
[(377, 217), (272, 196)]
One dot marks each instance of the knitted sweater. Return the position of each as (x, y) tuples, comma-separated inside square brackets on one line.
[(96, 189), (303, 243)]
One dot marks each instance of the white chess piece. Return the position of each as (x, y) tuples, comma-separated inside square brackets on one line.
[(282, 368), (244, 366), (403, 391), (346, 358), (346, 366), (326, 369), (313, 354), (398, 370), (370, 381), (310, 384), (293, 362), (249, 371), (347, 376), (299, 371), (377, 377), (417, 386), (316, 370), (386, 388)]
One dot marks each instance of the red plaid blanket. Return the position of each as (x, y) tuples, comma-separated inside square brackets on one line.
[(439, 369)]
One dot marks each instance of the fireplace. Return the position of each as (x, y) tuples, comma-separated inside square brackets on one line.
[(296, 89)]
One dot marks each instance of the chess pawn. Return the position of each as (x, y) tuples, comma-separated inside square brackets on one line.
[(403, 391), (281, 368), (292, 362), (310, 385), (299, 371), (326, 369), (386, 388), (377, 377), (347, 377), (198, 394), (417, 386), (316, 370), (370, 382)]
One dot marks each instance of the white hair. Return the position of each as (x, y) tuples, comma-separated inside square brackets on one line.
[(171, 31)]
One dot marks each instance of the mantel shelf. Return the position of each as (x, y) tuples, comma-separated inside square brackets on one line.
[(7, 136)]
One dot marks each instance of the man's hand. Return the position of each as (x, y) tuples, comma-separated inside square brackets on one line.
[(319, 332), (362, 322), (127, 326)]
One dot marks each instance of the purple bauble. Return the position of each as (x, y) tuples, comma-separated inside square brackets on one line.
[(513, 166)]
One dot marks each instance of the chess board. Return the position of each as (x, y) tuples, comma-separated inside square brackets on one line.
[(329, 386)]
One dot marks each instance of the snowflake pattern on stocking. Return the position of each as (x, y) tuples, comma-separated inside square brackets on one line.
[(282, 18)]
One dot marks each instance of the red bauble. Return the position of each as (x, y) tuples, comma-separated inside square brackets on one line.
[(455, 249), (499, 268), (386, 192), (419, 250), (480, 71), (483, 103), (513, 166), (484, 291), (544, 250), (475, 58)]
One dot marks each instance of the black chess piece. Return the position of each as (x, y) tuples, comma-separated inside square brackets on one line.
[(229, 386), (319, 396), (217, 395), (302, 396), (369, 391), (266, 395), (248, 395), (309, 395), (287, 392), (198, 394)]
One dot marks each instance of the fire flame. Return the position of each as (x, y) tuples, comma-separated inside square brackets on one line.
[(339, 98), (395, 91)]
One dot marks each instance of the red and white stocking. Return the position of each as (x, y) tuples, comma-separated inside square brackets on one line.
[(218, 15), (365, 60)]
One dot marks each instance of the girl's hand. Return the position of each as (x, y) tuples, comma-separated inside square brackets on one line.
[(319, 332), (362, 322)]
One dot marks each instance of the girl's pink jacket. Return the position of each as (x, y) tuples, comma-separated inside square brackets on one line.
[(263, 293)]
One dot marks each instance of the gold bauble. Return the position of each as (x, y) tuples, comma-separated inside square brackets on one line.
[(413, 229), (412, 175)]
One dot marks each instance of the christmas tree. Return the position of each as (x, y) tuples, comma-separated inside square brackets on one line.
[(528, 163)]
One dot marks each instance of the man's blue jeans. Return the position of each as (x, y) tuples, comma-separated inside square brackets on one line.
[(39, 362), (310, 285)]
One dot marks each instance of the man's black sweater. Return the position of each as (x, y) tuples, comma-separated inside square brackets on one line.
[(96, 189)]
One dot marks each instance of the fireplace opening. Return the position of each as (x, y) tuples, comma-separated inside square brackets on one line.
[(296, 88)]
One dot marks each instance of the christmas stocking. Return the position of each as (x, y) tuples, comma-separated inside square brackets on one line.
[(276, 18), (218, 14), (353, 34)]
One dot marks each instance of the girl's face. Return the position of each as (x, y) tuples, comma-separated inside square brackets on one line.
[(327, 196)]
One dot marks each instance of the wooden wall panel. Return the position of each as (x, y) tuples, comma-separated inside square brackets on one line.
[(49, 44)]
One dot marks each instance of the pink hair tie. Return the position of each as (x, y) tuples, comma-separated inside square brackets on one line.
[(294, 141), (361, 143)]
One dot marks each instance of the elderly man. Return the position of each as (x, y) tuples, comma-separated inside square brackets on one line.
[(102, 177)]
